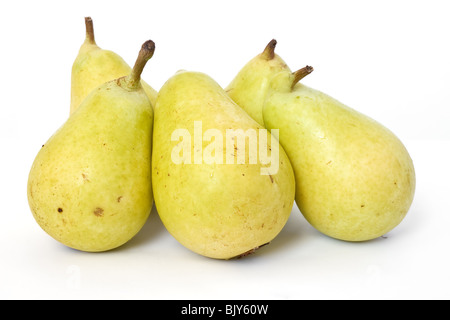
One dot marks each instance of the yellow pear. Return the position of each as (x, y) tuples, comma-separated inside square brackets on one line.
[(90, 184), (250, 86), (223, 186), (94, 66), (355, 180)]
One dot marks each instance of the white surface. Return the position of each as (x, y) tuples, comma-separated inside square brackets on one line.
[(388, 59)]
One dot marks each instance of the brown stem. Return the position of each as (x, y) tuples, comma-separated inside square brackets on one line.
[(89, 30), (301, 73), (269, 51), (146, 52)]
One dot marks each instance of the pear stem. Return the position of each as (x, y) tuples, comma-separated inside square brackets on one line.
[(300, 74), (146, 52), (89, 30), (269, 51)]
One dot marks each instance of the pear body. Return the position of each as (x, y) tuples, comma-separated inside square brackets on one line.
[(251, 84), (217, 209), (355, 180), (94, 66), (90, 185)]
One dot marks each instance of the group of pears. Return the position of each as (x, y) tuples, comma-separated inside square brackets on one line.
[(93, 183)]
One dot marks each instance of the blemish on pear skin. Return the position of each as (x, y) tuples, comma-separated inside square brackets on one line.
[(251, 251), (271, 178), (363, 205), (60, 210), (98, 212), (85, 178), (119, 198)]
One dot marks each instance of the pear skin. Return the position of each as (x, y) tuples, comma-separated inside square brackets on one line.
[(94, 66), (90, 184), (219, 210), (355, 180), (250, 86)]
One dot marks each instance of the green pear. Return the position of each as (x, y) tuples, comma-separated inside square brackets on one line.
[(90, 184), (355, 180), (214, 193), (250, 86), (94, 66)]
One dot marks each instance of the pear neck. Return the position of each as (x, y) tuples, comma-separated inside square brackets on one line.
[(282, 81), (128, 83), (285, 80), (87, 46)]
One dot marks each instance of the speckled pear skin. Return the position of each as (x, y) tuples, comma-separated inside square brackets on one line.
[(94, 66), (220, 211), (355, 180), (90, 184), (250, 86)]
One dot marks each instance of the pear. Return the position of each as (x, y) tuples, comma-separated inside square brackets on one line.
[(90, 184), (355, 180), (94, 66), (212, 190), (249, 88)]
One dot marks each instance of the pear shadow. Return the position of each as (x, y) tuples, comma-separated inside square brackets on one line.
[(294, 234), (152, 229)]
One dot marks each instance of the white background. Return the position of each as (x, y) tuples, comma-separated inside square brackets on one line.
[(387, 59)]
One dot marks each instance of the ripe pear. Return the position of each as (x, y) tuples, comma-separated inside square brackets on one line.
[(218, 208), (90, 184), (94, 66), (355, 180), (250, 86)]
